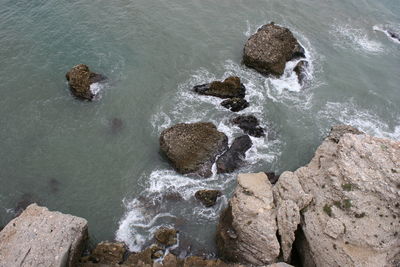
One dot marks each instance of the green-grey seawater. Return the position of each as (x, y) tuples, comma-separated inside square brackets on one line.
[(100, 160)]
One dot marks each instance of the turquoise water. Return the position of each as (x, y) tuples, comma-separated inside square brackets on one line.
[(66, 154)]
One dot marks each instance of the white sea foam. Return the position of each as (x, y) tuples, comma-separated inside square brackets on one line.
[(356, 38), (348, 113), (95, 88)]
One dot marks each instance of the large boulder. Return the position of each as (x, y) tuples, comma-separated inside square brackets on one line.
[(192, 148), (246, 232), (80, 78), (233, 158), (268, 50), (39, 237), (353, 220), (231, 87)]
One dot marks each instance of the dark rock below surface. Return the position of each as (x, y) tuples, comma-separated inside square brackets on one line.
[(192, 148), (231, 87), (80, 78), (249, 124), (166, 236), (233, 157), (268, 50), (235, 104), (300, 70), (272, 177), (208, 197)]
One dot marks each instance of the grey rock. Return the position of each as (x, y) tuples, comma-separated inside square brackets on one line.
[(39, 237), (234, 156)]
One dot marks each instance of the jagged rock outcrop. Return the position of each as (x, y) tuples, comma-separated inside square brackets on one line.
[(233, 158), (231, 87), (80, 78), (249, 124), (235, 104), (105, 253), (268, 50), (208, 197), (192, 148), (39, 237), (353, 220), (166, 236), (301, 71), (246, 232)]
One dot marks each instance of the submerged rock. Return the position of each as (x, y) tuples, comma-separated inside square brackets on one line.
[(246, 231), (233, 157), (249, 124), (192, 148), (116, 125), (235, 104), (166, 236), (231, 87), (300, 70), (268, 50), (80, 78), (354, 180), (39, 237), (208, 197)]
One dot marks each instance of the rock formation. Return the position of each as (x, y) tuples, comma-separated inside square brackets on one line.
[(235, 104), (233, 157), (300, 70), (80, 78), (166, 236), (208, 197), (231, 87), (246, 232), (39, 237), (268, 50), (192, 148), (249, 124)]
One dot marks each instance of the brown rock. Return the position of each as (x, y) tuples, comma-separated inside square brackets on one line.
[(268, 50), (192, 148), (80, 78), (208, 197), (166, 236), (231, 87), (108, 253)]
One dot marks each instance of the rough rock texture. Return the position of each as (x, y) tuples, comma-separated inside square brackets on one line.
[(300, 70), (235, 104), (208, 197), (231, 87), (166, 236), (105, 253), (192, 148), (233, 157), (249, 124), (268, 50), (289, 199), (39, 237), (80, 78), (354, 218), (246, 232)]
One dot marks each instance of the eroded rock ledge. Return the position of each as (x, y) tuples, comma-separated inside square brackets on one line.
[(344, 205)]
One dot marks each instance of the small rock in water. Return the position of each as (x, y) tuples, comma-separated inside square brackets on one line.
[(208, 197), (166, 236), (235, 104), (268, 50), (249, 124), (300, 70), (116, 125), (80, 78), (231, 87), (233, 157)]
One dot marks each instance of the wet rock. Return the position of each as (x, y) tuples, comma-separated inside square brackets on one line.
[(145, 257), (107, 253), (354, 216), (268, 50), (231, 87), (208, 197), (249, 124), (80, 78), (235, 104), (166, 236), (39, 237), (300, 70), (192, 148), (272, 177), (246, 231), (394, 35), (233, 158)]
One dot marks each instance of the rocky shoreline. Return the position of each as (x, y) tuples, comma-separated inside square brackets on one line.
[(320, 213)]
